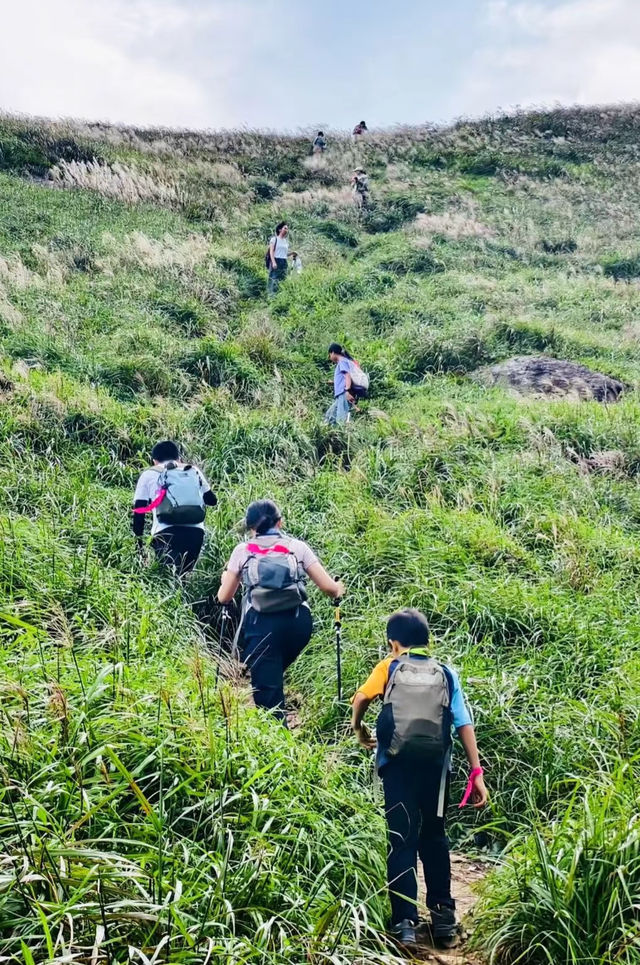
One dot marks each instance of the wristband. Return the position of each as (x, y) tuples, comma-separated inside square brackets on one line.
[(476, 772)]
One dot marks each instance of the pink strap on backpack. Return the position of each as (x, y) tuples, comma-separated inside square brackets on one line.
[(263, 550), (476, 772), (154, 505)]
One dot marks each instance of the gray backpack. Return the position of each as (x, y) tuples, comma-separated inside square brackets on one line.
[(416, 712), (273, 577), (183, 504)]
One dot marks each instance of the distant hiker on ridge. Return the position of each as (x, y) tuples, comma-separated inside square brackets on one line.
[(360, 188), (276, 257), (359, 130), (276, 622), (177, 494), (422, 701), (319, 144)]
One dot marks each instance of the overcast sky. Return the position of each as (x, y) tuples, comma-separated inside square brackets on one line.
[(305, 63)]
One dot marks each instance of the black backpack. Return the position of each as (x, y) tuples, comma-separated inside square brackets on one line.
[(267, 257)]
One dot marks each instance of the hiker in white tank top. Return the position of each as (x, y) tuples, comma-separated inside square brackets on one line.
[(278, 254)]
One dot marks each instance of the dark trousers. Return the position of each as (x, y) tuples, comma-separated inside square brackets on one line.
[(179, 546), (276, 275), (272, 641), (411, 792)]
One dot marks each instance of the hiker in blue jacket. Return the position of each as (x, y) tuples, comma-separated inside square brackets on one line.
[(343, 399)]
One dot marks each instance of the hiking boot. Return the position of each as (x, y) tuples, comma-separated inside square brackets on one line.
[(404, 932), (444, 927)]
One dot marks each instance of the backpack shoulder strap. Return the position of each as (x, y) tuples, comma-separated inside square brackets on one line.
[(448, 678), (393, 667)]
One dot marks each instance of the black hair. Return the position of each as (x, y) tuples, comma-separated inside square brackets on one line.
[(362, 124), (262, 515), (320, 133), (409, 627), (164, 451), (280, 226), (339, 350)]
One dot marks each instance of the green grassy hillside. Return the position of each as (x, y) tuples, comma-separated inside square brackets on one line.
[(145, 810)]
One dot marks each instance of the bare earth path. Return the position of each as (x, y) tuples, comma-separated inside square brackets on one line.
[(464, 875)]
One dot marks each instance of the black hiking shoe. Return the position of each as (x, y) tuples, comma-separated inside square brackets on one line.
[(404, 933), (444, 926)]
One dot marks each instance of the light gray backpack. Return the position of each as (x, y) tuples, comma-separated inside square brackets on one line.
[(183, 504), (273, 577), (416, 713)]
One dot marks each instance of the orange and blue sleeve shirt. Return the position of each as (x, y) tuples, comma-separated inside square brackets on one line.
[(376, 684)]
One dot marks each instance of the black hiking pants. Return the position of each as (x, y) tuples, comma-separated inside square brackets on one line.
[(411, 792), (179, 546), (271, 643)]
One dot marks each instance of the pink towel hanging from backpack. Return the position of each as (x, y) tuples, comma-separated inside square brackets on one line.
[(154, 505)]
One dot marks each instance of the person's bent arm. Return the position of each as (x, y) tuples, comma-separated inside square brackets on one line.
[(324, 582), (228, 586), (272, 252), (358, 710), (138, 520), (467, 735)]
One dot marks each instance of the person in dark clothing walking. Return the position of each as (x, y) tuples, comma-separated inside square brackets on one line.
[(413, 758), (320, 143), (176, 545), (276, 623)]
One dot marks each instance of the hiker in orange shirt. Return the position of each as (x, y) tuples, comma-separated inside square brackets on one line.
[(422, 701)]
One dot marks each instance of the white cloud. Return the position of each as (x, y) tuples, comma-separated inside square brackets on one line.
[(121, 60), (572, 52)]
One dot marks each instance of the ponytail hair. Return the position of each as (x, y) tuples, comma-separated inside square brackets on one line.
[(337, 349), (262, 515)]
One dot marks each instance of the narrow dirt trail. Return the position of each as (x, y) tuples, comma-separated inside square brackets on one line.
[(465, 874)]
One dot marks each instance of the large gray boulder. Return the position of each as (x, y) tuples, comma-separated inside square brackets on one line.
[(542, 376)]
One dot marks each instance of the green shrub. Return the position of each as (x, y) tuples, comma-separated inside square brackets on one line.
[(221, 363), (568, 892), (566, 246), (391, 213), (621, 269), (338, 231), (264, 190)]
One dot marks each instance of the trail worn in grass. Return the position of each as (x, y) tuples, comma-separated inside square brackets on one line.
[(144, 809)]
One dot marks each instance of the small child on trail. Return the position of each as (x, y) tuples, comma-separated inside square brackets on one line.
[(359, 130), (177, 530), (319, 144), (296, 262), (360, 188), (422, 700)]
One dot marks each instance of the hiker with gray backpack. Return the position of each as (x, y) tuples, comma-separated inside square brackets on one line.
[(273, 569), (176, 494), (422, 701)]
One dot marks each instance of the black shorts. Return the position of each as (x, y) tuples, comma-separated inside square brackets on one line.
[(179, 547)]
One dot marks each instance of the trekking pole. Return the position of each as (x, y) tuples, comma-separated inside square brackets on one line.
[(337, 625), (225, 617)]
